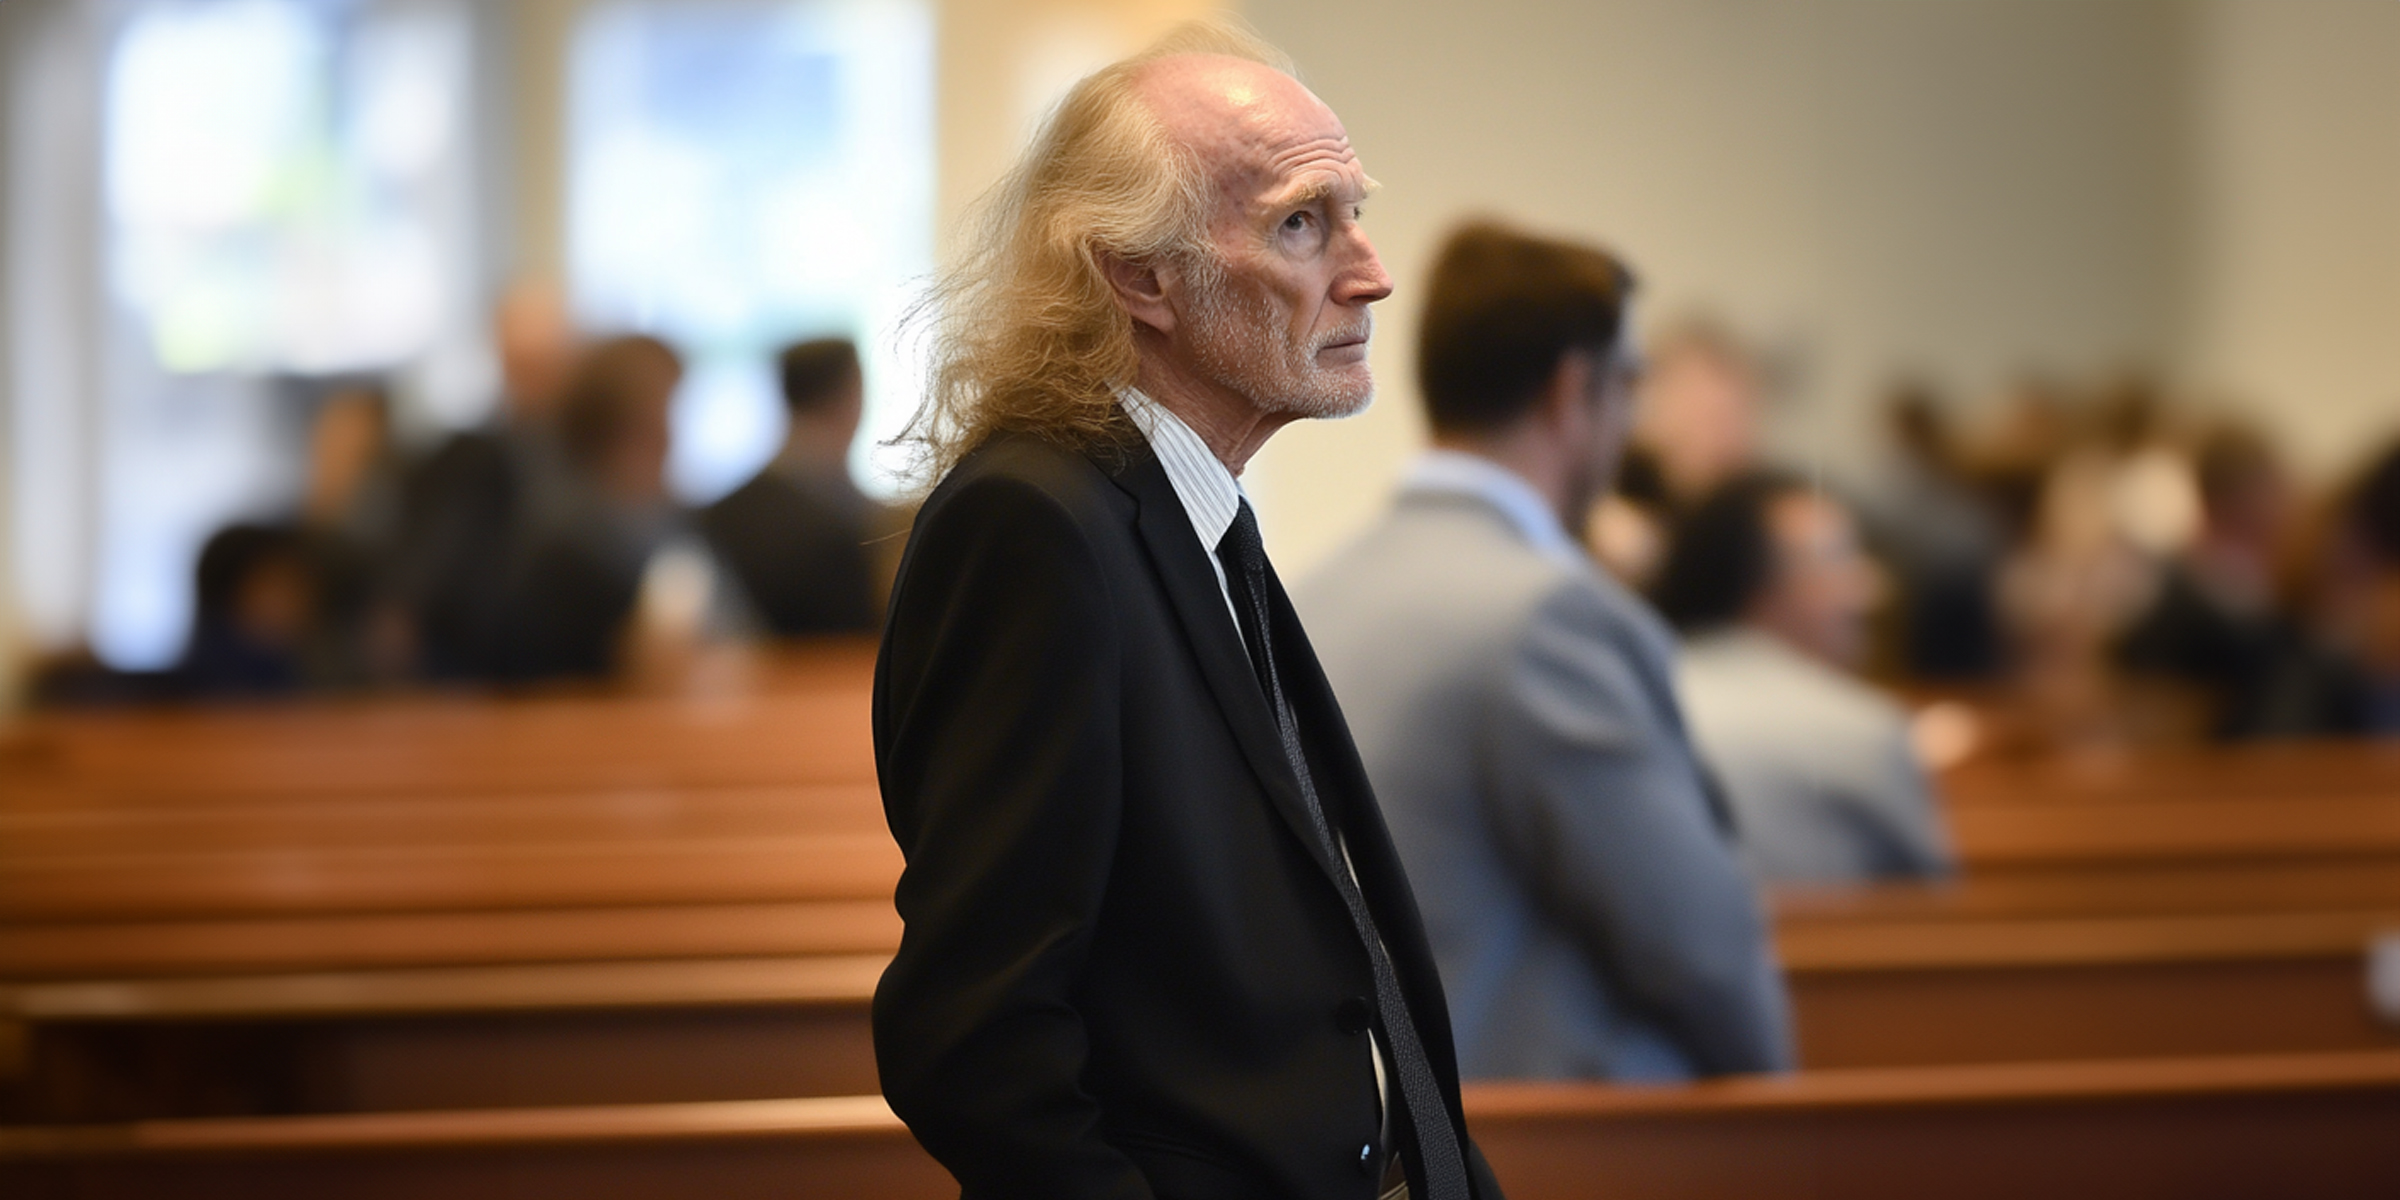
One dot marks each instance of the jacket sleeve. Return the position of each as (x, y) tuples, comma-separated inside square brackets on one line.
[(1606, 819), (999, 756)]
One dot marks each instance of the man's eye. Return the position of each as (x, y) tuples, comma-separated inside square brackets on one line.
[(1296, 222)]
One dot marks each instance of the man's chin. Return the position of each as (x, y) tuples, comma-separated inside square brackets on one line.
[(1343, 392)]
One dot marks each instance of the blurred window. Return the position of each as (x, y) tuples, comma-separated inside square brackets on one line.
[(285, 191), (273, 169), (745, 173)]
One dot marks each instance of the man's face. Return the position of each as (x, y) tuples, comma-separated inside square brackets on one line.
[(1284, 322), (1824, 586), (1602, 427)]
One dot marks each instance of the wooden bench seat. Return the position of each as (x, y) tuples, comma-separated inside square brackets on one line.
[(1892, 994), (2290, 1126), (302, 943), (617, 871), (2113, 889), (2286, 1126), (811, 725), (566, 1033), (2017, 835), (2264, 773), (1903, 993), (439, 818)]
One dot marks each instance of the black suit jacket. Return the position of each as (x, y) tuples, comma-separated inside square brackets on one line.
[(1126, 971), (799, 548)]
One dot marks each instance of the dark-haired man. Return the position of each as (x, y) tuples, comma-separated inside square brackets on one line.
[(1516, 707), (1766, 578), (796, 534)]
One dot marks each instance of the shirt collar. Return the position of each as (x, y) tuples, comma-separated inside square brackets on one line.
[(1209, 492), (1457, 473)]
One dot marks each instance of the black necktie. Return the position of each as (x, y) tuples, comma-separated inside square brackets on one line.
[(1245, 559)]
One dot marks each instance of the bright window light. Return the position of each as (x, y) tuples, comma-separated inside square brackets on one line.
[(745, 174), (267, 182)]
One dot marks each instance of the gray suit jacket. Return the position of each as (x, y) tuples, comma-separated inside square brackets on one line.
[(1518, 719)]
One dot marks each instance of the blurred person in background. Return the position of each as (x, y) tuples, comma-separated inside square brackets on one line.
[(1516, 709), (1700, 410), (796, 535), (348, 510), (1767, 582), (1945, 541), (612, 561), (1698, 423), (351, 479), (465, 507), (256, 604), (2222, 620), (2358, 606), (2116, 500)]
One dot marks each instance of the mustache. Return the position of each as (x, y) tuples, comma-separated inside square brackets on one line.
[(1361, 332)]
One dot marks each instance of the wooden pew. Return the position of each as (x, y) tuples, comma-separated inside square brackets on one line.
[(436, 903), (1905, 992), (2297, 826), (2107, 889), (1897, 993), (2297, 1126), (809, 725), (1894, 990), (2265, 772), (2305, 1127), (272, 851), (569, 1033)]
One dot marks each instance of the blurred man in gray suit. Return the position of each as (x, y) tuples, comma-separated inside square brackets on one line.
[(1516, 708)]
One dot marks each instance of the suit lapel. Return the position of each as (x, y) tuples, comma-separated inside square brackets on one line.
[(1191, 585)]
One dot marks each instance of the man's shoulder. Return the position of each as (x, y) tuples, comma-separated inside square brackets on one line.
[(1751, 668), (1430, 554), (760, 490), (1013, 473)]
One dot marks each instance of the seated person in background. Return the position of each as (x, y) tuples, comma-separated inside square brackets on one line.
[(254, 615), (464, 510), (796, 534), (2221, 621), (1700, 411), (615, 545), (2359, 602), (1699, 414), (1515, 707), (1767, 582)]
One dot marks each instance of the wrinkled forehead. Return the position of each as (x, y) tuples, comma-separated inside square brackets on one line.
[(1267, 140)]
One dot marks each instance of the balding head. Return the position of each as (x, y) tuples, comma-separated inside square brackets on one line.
[(1142, 215), (1270, 323)]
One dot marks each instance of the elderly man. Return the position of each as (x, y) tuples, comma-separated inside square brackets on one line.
[(1516, 707), (1157, 940)]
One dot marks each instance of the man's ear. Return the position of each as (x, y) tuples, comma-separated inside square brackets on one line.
[(1142, 289), (1568, 396)]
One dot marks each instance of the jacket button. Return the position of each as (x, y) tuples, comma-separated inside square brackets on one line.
[(1366, 1159), (1352, 1015)]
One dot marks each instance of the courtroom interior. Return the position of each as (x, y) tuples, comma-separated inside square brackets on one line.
[(459, 461)]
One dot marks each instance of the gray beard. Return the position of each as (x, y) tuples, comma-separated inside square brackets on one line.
[(1241, 347)]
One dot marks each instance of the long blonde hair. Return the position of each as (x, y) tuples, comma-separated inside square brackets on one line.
[(1025, 332)]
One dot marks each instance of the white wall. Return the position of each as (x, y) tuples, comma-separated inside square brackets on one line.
[(1964, 188), (2297, 312)]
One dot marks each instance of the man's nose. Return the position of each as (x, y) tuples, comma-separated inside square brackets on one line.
[(1364, 281)]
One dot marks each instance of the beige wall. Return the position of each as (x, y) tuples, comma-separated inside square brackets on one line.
[(1959, 188), (2297, 312), (1004, 62)]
